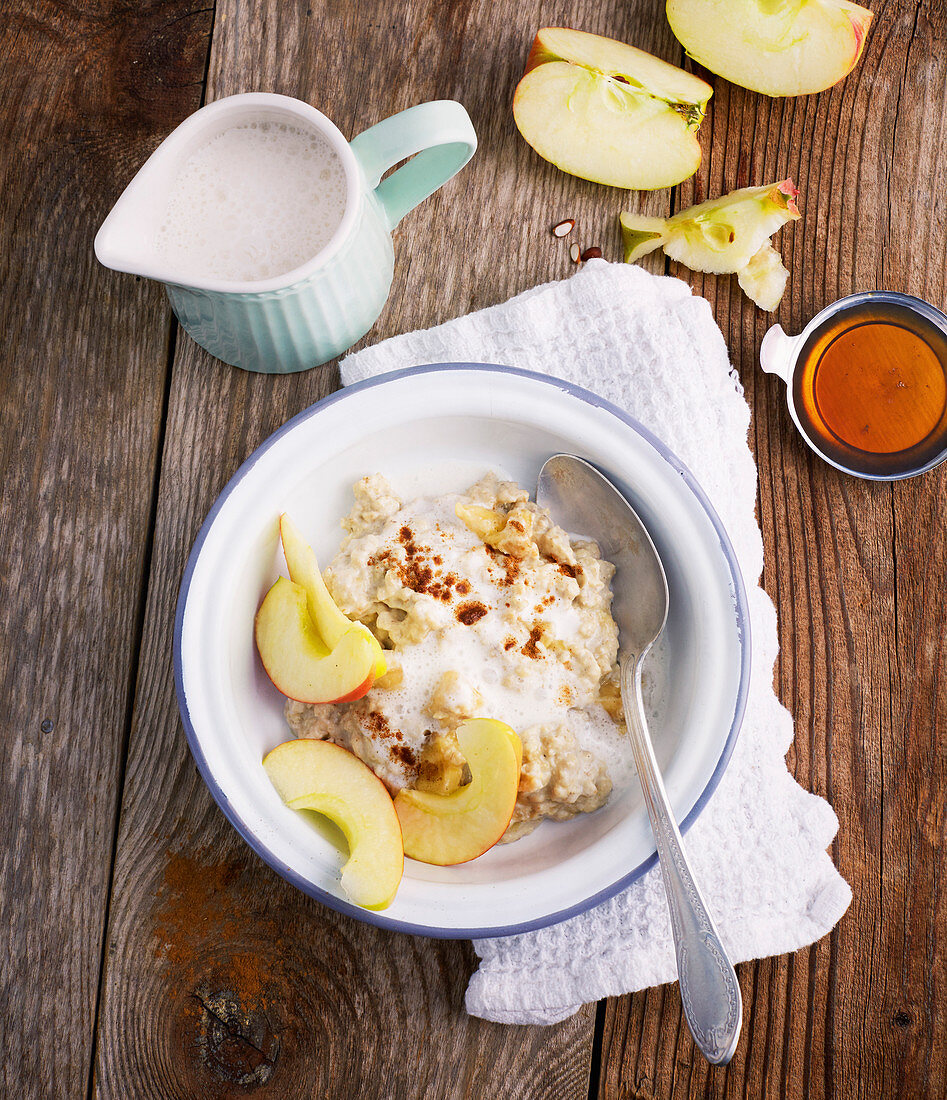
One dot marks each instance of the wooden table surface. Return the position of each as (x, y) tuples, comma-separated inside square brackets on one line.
[(147, 952)]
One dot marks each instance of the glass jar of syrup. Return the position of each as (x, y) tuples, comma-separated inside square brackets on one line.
[(867, 383)]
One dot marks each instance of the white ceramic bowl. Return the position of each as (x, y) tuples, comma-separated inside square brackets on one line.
[(436, 429)]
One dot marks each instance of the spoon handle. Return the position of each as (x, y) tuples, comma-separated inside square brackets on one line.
[(709, 988)]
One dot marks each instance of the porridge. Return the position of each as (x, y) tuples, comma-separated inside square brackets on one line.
[(485, 609)]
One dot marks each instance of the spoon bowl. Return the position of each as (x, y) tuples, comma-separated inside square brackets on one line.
[(582, 500)]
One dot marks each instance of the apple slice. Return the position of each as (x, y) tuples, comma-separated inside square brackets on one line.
[(727, 235), (304, 570), (320, 776), (297, 659), (609, 112), (777, 47), (457, 827), (518, 749), (764, 278)]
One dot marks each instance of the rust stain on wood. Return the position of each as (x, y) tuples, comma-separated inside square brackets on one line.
[(229, 996)]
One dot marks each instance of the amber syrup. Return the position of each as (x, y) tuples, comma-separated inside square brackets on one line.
[(870, 389)]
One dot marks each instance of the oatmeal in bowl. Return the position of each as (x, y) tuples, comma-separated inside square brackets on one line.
[(433, 431), (484, 608)]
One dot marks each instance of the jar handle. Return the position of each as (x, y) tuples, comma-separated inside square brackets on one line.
[(442, 136), (778, 353)]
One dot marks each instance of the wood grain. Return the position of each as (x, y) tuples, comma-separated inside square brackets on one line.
[(220, 976), (82, 385), (857, 571)]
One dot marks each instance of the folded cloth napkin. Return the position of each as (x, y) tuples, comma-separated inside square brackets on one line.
[(759, 848)]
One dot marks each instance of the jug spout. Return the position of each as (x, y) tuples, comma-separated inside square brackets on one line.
[(126, 239), (123, 242)]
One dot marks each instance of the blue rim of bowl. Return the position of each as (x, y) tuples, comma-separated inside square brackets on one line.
[(379, 919)]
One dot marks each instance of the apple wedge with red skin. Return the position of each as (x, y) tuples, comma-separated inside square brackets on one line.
[(777, 47), (297, 659), (455, 828), (304, 570), (311, 650), (320, 776), (609, 112)]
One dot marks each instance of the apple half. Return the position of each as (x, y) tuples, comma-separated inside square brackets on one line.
[(609, 112), (321, 776), (777, 47), (455, 828)]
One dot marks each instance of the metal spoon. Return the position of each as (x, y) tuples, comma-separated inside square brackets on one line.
[(582, 500)]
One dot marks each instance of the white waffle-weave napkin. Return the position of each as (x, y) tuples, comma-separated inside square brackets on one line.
[(759, 848)]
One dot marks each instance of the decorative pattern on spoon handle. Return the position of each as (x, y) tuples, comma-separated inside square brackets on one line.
[(709, 988)]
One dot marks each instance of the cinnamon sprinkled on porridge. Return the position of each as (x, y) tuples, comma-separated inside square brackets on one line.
[(488, 610), (531, 649), (470, 613)]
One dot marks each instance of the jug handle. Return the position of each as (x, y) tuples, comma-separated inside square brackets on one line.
[(442, 136)]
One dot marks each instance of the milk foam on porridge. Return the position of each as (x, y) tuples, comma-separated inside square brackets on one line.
[(257, 201), (488, 610)]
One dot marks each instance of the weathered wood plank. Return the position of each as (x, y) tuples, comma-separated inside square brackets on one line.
[(218, 973), (86, 91), (858, 574)]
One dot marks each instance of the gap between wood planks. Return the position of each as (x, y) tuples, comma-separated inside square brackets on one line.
[(132, 699)]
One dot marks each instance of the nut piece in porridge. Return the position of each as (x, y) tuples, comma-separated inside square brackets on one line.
[(442, 767), (487, 609)]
